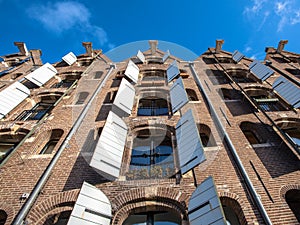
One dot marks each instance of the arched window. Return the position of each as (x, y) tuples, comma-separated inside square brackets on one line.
[(153, 75), (250, 131), (229, 94), (292, 198), (81, 98), (217, 77), (152, 154), (241, 75), (266, 100), (53, 139), (153, 103), (192, 95), (225, 60), (233, 212), (3, 217), (206, 136)]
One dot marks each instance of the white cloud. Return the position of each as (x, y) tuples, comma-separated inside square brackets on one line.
[(281, 7), (248, 49), (296, 17), (283, 13), (60, 17), (255, 8)]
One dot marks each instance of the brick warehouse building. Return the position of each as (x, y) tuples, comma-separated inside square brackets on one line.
[(150, 140)]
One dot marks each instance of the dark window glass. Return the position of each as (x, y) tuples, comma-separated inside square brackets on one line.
[(36, 113), (48, 148), (5, 150)]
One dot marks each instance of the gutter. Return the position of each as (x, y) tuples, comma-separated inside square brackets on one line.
[(233, 150)]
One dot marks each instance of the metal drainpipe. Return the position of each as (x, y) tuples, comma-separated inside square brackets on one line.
[(19, 219), (233, 151)]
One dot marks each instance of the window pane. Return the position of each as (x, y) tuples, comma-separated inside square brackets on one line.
[(48, 148), (5, 149)]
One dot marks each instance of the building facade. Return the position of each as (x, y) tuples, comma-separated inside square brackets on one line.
[(152, 139)]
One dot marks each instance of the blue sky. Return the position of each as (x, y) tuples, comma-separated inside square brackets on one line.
[(58, 27)]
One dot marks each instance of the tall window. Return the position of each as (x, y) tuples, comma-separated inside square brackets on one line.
[(191, 94), (81, 98), (53, 139), (151, 155)]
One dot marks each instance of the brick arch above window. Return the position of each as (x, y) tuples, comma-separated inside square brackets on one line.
[(284, 189), (58, 203), (234, 201), (163, 197)]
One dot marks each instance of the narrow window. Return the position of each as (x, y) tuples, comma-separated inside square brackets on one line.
[(48, 148), (81, 98)]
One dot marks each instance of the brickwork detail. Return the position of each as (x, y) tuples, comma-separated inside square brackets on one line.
[(53, 205), (146, 198)]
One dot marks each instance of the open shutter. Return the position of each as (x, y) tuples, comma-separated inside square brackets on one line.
[(92, 207), (237, 56), (125, 97), (261, 71), (189, 145), (69, 58), (140, 56), (172, 71), (107, 157), (287, 90), (132, 71), (166, 56), (11, 97), (178, 95), (41, 75), (204, 206)]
